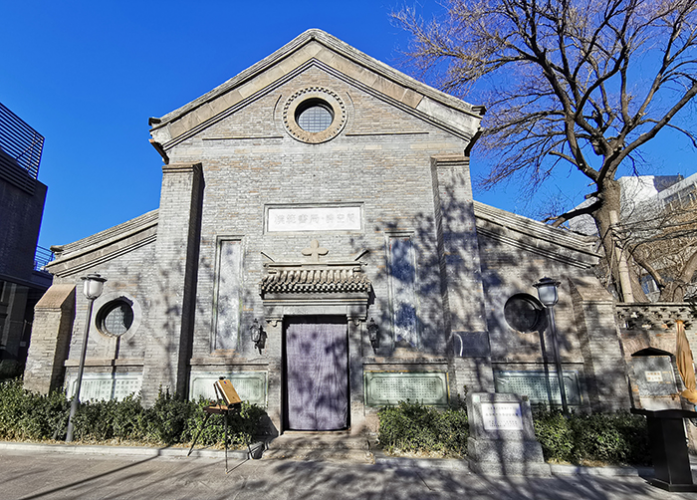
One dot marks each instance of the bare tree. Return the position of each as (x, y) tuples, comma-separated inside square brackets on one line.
[(584, 83), (661, 242)]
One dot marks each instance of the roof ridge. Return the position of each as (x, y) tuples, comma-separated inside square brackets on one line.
[(335, 44)]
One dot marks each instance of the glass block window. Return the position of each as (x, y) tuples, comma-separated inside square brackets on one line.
[(115, 317), (314, 116)]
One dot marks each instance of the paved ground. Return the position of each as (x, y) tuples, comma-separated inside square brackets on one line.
[(32, 474)]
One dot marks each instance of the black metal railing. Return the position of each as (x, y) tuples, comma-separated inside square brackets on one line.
[(42, 257), (20, 150)]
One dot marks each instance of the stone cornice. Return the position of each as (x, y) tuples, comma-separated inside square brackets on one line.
[(70, 363), (176, 168), (125, 227), (229, 359), (449, 160)]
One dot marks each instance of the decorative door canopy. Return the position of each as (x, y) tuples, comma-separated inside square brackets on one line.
[(315, 286)]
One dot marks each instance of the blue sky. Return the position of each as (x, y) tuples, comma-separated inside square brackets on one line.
[(87, 75)]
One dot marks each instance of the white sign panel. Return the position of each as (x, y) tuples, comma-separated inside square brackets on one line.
[(502, 416), (653, 376), (105, 386), (314, 219)]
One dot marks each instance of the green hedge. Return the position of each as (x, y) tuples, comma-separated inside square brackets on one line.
[(34, 417), (613, 438), (413, 427), (617, 438)]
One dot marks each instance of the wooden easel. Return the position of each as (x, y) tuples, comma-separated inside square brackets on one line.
[(229, 403)]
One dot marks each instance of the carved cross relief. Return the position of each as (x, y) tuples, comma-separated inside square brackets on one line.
[(314, 251)]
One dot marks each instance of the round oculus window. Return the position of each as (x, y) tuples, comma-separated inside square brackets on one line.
[(115, 317), (314, 115), (524, 313)]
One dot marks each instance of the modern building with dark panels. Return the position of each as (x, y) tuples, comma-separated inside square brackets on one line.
[(22, 197)]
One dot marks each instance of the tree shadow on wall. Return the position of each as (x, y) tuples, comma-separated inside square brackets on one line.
[(453, 252)]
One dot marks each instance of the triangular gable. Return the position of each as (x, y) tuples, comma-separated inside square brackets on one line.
[(104, 246), (315, 47), (534, 236)]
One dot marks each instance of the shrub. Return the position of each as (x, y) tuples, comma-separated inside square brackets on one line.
[(615, 438), (167, 419), (129, 419), (414, 427), (555, 434), (242, 426), (171, 420), (24, 415)]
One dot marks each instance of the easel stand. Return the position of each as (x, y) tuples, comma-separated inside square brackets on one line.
[(224, 392)]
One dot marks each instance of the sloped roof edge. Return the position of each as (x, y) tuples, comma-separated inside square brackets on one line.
[(104, 238), (536, 229), (342, 48)]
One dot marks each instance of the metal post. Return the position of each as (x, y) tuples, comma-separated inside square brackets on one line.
[(557, 359), (76, 398), (545, 361)]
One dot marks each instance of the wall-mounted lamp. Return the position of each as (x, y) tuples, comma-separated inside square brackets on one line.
[(373, 334), (257, 334)]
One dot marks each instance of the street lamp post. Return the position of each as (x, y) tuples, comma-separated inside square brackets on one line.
[(93, 284), (547, 292)]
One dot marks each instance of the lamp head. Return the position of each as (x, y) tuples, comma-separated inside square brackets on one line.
[(93, 285), (547, 291)]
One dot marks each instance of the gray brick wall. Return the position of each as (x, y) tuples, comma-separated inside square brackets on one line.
[(131, 273), (173, 287), (508, 269), (604, 361), (53, 322), (389, 174)]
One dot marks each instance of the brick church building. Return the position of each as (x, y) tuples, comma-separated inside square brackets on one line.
[(317, 243)]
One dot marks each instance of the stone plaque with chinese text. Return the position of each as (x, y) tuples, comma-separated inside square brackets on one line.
[(502, 416), (289, 219)]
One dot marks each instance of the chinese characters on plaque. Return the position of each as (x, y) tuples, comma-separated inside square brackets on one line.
[(314, 219), (502, 416)]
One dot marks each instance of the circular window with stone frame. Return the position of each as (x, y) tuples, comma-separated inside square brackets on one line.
[(314, 115), (115, 318), (524, 313)]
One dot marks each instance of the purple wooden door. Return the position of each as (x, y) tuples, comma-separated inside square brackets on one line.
[(316, 373)]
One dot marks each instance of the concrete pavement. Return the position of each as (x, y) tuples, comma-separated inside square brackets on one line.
[(32, 473)]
